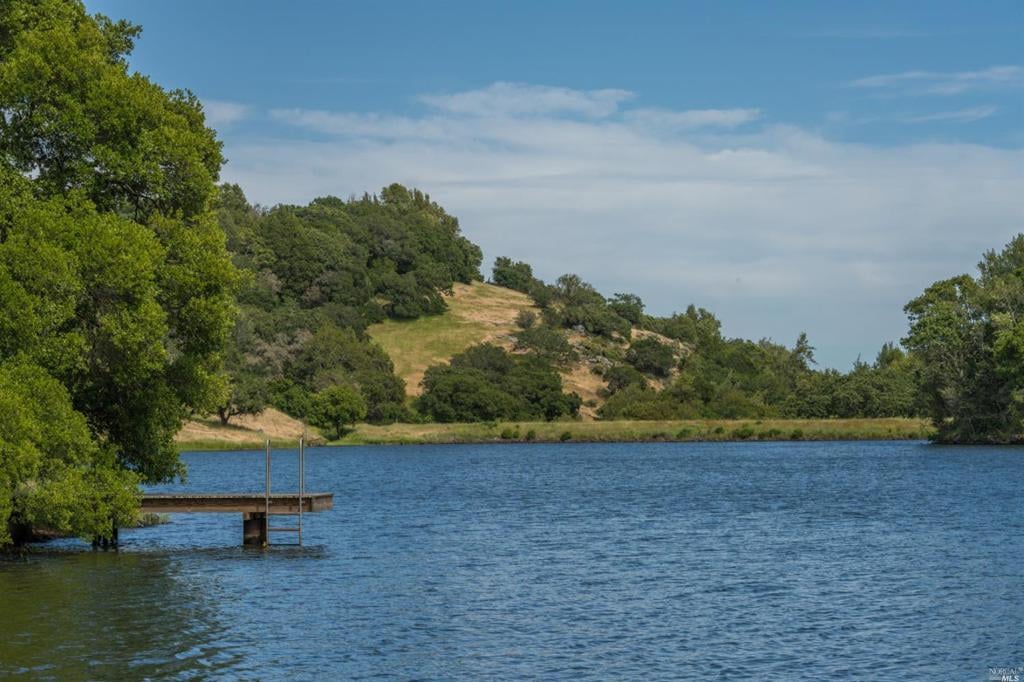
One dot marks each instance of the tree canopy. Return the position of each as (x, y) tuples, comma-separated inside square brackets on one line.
[(488, 383), (318, 275), (336, 406), (969, 335), (114, 278)]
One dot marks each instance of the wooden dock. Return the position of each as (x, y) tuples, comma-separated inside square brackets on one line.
[(256, 509), (246, 503)]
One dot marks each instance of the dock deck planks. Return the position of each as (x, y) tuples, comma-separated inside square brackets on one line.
[(280, 503)]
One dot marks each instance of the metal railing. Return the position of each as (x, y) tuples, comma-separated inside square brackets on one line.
[(302, 491)]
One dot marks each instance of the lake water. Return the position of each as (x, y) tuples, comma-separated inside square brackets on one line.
[(658, 561)]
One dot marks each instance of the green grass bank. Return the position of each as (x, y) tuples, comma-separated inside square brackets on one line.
[(641, 431), (592, 432)]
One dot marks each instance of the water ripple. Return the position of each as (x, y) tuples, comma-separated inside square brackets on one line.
[(662, 561)]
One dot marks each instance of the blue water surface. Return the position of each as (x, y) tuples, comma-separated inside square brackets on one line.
[(572, 561)]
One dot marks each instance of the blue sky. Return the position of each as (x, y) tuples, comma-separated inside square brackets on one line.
[(791, 166)]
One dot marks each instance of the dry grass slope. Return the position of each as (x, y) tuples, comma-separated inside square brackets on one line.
[(477, 313), (244, 433)]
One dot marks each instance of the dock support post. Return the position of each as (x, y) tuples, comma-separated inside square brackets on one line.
[(254, 529)]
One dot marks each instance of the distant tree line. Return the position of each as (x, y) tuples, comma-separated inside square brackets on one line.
[(681, 366)]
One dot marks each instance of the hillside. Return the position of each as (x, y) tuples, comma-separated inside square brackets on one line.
[(479, 313), (367, 293), (245, 432)]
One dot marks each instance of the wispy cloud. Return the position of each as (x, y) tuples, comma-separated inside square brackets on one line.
[(948, 83), (774, 227), (958, 116), (693, 118), (516, 99), (221, 113)]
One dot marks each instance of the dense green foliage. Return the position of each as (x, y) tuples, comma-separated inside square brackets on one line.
[(487, 383), (545, 342), (969, 335), (570, 302), (735, 378), (577, 305), (651, 356), (517, 276), (886, 388), (708, 375), (335, 407), (318, 275), (53, 472), (116, 291), (248, 394), (627, 306), (620, 377)]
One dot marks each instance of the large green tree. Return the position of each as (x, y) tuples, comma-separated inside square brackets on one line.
[(969, 335), (335, 407), (114, 277)]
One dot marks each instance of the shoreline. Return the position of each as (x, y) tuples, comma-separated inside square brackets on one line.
[(626, 431)]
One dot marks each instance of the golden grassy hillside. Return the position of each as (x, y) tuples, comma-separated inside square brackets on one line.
[(477, 313), (245, 432)]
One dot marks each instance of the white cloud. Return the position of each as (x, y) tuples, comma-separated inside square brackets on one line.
[(949, 83), (959, 116), (221, 113), (693, 118), (775, 228), (517, 99)]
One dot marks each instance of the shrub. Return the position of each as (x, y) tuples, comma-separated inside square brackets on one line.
[(513, 275), (526, 319), (595, 318), (798, 434), (627, 306), (531, 435), (566, 435), (488, 383), (743, 433), (546, 342), (651, 356), (623, 376)]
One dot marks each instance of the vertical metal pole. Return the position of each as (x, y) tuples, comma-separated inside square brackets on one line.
[(266, 507)]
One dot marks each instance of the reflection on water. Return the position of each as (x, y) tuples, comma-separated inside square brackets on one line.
[(753, 560), (83, 614)]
